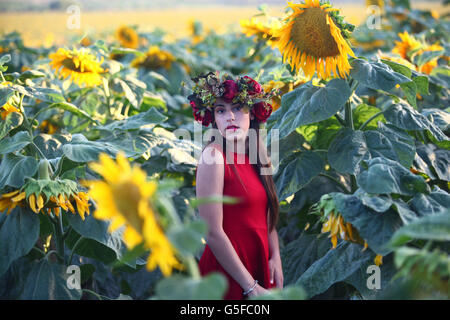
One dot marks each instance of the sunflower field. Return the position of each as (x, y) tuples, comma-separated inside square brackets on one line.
[(97, 186)]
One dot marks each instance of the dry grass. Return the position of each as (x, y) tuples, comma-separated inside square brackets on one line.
[(45, 28)]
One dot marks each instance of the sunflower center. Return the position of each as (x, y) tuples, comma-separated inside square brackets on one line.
[(127, 35), (311, 34), (126, 197)]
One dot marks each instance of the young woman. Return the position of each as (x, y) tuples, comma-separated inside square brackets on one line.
[(242, 241)]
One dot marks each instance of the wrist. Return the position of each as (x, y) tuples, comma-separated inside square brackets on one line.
[(246, 292)]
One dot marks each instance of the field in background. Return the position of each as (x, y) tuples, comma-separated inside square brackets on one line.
[(46, 28)]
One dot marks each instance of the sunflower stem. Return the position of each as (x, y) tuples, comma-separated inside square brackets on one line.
[(349, 115), (370, 119), (341, 121), (59, 240), (74, 247)]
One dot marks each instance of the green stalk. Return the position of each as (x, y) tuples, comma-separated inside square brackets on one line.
[(59, 237), (370, 119), (349, 115)]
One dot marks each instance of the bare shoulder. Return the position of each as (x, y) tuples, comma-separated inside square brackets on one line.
[(212, 155), (210, 172)]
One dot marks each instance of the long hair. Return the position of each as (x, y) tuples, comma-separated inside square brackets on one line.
[(266, 180)]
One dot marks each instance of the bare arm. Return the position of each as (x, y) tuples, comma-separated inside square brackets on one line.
[(275, 265), (209, 182)]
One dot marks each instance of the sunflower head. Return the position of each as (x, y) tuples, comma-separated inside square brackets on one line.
[(314, 38), (154, 59), (127, 37), (261, 31), (124, 197), (81, 66), (407, 44)]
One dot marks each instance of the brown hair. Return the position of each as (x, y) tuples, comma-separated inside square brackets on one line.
[(266, 180)]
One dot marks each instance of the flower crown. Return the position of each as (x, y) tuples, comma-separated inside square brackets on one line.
[(244, 90)]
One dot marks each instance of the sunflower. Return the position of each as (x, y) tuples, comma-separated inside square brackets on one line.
[(80, 65), (265, 32), (42, 202), (86, 41), (430, 65), (124, 198), (154, 59), (282, 88), (338, 228), (195, 29), (379, 3), (314, 39), (127, 37), (47, 126), (407, 44), (7, 108)]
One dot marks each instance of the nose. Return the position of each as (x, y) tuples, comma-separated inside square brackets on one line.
[(230, 115)]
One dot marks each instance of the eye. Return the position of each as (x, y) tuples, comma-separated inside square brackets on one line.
[(238, 108), (219, 111)]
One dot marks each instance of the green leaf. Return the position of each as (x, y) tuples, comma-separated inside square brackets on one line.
[(5, 94), (12, 120), (48, 281), (432, 227), (177, 287), (72, 109), (427, 56), (287, 293), (402, 143), (15, 143), (397, 67), (422, 85), (187, 238), (376, 228), (150, 117), (436, 202), (405, 117), (15, 169), (44, 94), (384, 176), (31, 74), (436, 159), (410, 91), (363, 112), (376, 75), (80, 149), (439, 117), (19, 232), (298, 255), (308, 104), (298, 173), (337, 265), (5, 59), (346, 150), (97, 230)]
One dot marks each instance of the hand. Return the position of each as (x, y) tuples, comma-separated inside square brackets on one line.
[(257, 291), (276, 271)]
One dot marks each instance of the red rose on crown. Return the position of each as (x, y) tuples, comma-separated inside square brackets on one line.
[(262, 111), (206, 119), (254, 86), (231, 89)]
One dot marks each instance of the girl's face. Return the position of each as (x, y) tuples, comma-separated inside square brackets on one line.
[(231, 120)]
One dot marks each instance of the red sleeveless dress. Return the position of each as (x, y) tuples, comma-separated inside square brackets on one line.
[(245, 224)]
